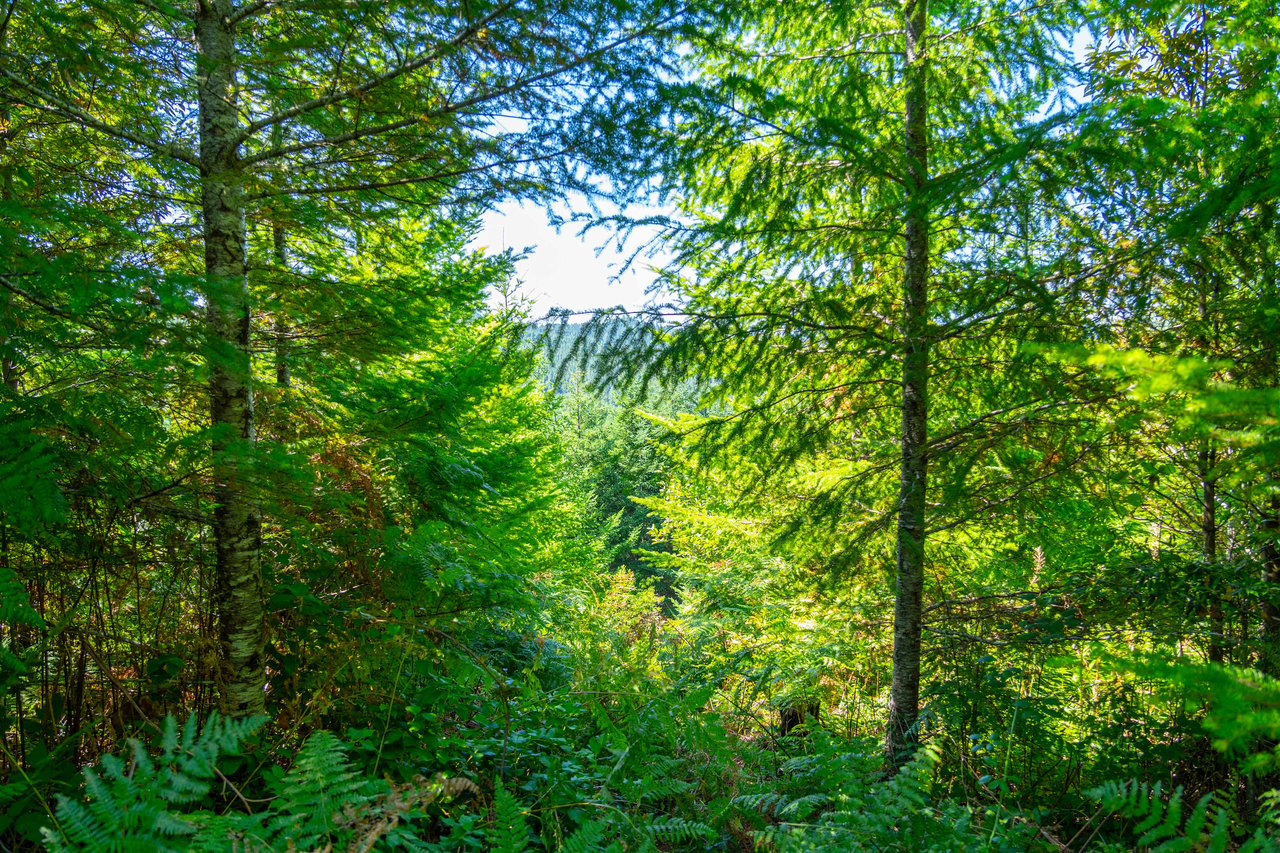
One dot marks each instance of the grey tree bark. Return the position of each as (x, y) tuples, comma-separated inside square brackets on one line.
[(236, 520), (904, 693)]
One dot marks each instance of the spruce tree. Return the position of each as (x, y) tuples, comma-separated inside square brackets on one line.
[(870, 192)]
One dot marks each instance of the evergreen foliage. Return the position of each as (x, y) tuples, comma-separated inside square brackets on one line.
[(936, 508)]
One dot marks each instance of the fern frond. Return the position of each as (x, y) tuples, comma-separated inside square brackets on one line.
[(368, 823), (510, 832), (896, 815), (803, 807), (677, 830), (15, 602), (589, 838), (654, 787), (1161, 827), (315, 791), (131, 805), (15, 609), (765, 802), (774, 804)]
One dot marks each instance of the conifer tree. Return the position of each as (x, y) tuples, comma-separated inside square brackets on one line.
[(870, 193)]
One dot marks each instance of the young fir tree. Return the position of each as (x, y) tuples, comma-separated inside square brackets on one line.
[(870, 192)]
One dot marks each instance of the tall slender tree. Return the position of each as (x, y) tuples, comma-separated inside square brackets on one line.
[(865, 242), (913, 480)]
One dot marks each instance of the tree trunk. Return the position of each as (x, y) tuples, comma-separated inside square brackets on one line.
[(904, 694), (282, 330), (1270, 529), (1209, 532), (236, 523), (1269, 658)]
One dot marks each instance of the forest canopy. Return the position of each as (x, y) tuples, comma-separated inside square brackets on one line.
[(931, 503)]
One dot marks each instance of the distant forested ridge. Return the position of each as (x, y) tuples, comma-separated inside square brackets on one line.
[(933, 504)]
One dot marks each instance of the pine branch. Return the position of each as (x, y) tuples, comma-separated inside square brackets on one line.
[(461, 38), (439, 177), (248, 11), (166, 10), (50, 308), (338, 139), (987, 506), (51, 103)]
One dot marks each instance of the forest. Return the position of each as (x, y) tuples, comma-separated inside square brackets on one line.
[(931, 503)]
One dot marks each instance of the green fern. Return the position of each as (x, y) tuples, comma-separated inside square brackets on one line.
[(1161, 826), (510, 832), (314, 793), (668, 829), (381, 818), (134, 805), (661, 781), (148, 803), (779, 805), (15, 602), (895, 815), (589, 838), (763, 802)]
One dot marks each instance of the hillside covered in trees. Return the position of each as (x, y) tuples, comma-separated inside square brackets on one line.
[(932, 504)]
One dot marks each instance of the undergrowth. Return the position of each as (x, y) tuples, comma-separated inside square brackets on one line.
[(614, 759)]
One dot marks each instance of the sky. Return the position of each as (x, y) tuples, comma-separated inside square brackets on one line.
[(563, 269)]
